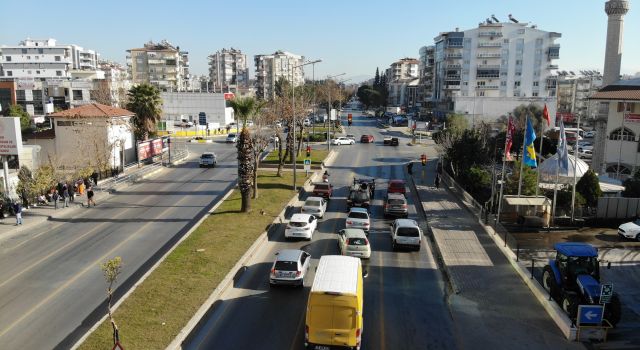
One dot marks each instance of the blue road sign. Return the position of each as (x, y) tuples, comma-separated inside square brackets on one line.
[(307, 161), (606, 292), (590, 314)]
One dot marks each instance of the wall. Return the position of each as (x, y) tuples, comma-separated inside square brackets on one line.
[(177, 104), (489, 109)]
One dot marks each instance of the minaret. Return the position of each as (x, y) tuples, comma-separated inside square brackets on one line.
[(615, 9)]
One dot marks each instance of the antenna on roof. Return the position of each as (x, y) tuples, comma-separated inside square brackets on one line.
[(513, 19), (495, 19), (488, 21)]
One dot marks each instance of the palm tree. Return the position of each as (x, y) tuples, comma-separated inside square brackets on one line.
[(145, 102), (244, 108)]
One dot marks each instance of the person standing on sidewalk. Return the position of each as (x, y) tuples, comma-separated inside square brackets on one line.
[(437, 181), (65, 195), (17, 207), (90, 197), (55, 196)]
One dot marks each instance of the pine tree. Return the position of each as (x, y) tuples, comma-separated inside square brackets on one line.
[(376, 80), (589, 188)]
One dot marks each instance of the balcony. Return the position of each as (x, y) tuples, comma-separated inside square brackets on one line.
[(552, 66), (488, 55), (452, 77), (487, 87), (454, 66), (490, 34), (488, 66), (451, 56), (490, 44)]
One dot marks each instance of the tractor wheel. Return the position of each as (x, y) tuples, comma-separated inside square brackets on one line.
[(549, 282), (569, 304), (613, 310)]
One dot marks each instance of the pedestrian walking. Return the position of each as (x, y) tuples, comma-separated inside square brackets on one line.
[(94, 176), (65, 195), (437, 181), (17, 207), (55, 198), (72, 192), (90, 197)]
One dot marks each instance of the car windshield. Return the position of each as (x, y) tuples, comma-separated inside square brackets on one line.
[(207, 156), (358, 215), (395, 201), (583, 264), (232, 135), (321, 187), (297, 224), (360, 196), (312, 203), (357, 241), (282, 265), (396, 185), (408, 232)]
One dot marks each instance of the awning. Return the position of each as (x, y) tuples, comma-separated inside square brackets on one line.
[(527, 200)]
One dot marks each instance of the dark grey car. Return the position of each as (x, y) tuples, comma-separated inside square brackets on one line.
[(396, 205)]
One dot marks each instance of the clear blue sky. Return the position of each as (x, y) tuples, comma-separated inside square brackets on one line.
[(349, 36)]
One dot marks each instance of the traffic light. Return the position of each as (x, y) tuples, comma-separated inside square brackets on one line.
[(423, 159), (349, 119), (308, 151)]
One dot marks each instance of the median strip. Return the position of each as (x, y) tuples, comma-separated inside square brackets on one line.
[(152, 316)]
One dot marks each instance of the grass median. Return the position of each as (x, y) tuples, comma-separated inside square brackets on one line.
[(317, 156), (161, 306)]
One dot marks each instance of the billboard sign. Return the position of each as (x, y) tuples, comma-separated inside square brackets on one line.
[(10, 136), (229, 95), (631, 118), (151, 148)]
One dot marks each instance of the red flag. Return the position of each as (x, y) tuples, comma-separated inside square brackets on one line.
[(545, 114), (510, 129)]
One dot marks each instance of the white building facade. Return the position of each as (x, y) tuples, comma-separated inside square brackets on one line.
[(228, 70), (191, 105), (270, 68), (573, 95), (44, 58), (160, 64), (491, 65)]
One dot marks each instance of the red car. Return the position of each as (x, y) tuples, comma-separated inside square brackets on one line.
[(323, 189), (397, 186), (366, 139)]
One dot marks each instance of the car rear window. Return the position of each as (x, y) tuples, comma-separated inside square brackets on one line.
[(358, 215), (408, 232), (360, 196), (395, 201), (396, 185), (297, 224), (357, 241), (322, 187), (231, 135), (313, 203), (207, 156), (282, 265)]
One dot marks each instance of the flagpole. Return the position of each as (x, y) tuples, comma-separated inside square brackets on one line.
[(575, 171), (555, 188), (541, 142), (504, 165), (522, 157)]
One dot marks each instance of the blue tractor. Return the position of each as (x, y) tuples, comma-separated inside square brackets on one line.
[(573, 279)]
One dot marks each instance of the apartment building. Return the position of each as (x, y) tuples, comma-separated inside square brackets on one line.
[(160, 64), (573, 95), (269, 68), (425, 74), (44, 58), (487, 71), (228, 70), (116, 84)]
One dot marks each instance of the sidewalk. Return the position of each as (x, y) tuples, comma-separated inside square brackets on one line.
[(489, 303)]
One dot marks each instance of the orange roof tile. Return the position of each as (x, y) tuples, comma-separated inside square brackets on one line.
[(617, 95), (93, 110)]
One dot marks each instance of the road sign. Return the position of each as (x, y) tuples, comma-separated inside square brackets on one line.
[(606, 292), (332, 115), (307, 161), (590, 314)]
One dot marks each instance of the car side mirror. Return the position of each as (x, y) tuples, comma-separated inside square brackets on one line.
[(277, 253)]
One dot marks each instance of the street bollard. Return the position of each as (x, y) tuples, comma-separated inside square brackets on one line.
[(505, 237), (532, 265), (518, 252)]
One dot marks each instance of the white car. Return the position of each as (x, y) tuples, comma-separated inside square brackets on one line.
[(358, 218), (301, 226), (232, 138), (405, 233), (354, 242), (586, 154), (208, 159), (630, 230), (289, 268), (306, 122), (343, 141), (590, 134), (315, 206), (278, 124)]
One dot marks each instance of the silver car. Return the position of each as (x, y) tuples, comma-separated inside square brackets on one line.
[(290, 267), (405, 233), (208, 159), (315, 206), (358, 218), (354, 242)]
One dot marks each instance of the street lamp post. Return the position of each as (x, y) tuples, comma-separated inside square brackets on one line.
[(340, 91), (330, 108), (293, 112)]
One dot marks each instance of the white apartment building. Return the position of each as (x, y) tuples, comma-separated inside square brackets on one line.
[(426, 63), (402, 75), (116, 81), (160, 64), (487, 71), (269, 68), (228, 70), (573, 95), (44, 58)]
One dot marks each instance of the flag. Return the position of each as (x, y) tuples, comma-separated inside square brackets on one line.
[(509, 141), (563, 152), (545, 114), (529, 151)]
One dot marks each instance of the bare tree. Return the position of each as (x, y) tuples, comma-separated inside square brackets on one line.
[(111, 269), (102, 93)]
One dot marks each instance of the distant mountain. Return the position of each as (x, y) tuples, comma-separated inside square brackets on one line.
[(357, 79)]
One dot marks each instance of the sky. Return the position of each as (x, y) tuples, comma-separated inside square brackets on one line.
[(352, 37)]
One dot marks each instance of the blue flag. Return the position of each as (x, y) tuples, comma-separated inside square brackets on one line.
[(529, 150), (563, 152)]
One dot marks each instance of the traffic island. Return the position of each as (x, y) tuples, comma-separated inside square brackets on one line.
[(155, 312)]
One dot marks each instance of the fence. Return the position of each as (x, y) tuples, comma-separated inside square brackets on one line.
[(617, 207)]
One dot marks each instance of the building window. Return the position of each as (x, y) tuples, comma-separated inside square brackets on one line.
[(8, 58), (625, 107), (516, 84), (58, 73), (539, 41), (37, 72), (481, 93), (623, 134), (9, 73), (77, 95), (57, 58), (536, 83), (24, 51), (28, 72), (534, 94), (41, 51), (503, 83), (518, 62), (21, 95), (618, 171)]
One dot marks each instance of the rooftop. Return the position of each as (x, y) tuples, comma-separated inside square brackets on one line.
[(93, 110)]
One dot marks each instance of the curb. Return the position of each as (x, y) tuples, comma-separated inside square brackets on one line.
[(198, 317), (440, 260), (553, 309)]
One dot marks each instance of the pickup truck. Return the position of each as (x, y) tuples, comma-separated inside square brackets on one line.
[(391, 141), (359, 196), (323, 189)]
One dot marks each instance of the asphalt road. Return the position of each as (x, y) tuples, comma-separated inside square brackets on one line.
[(50, 279), (404, 294)]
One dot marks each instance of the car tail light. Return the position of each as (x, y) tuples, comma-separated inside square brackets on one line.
[(366, 241), (358, 336), (306, 333), (349, 222), (366, 224), (273, 272), (298, 273), (404, 206)]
